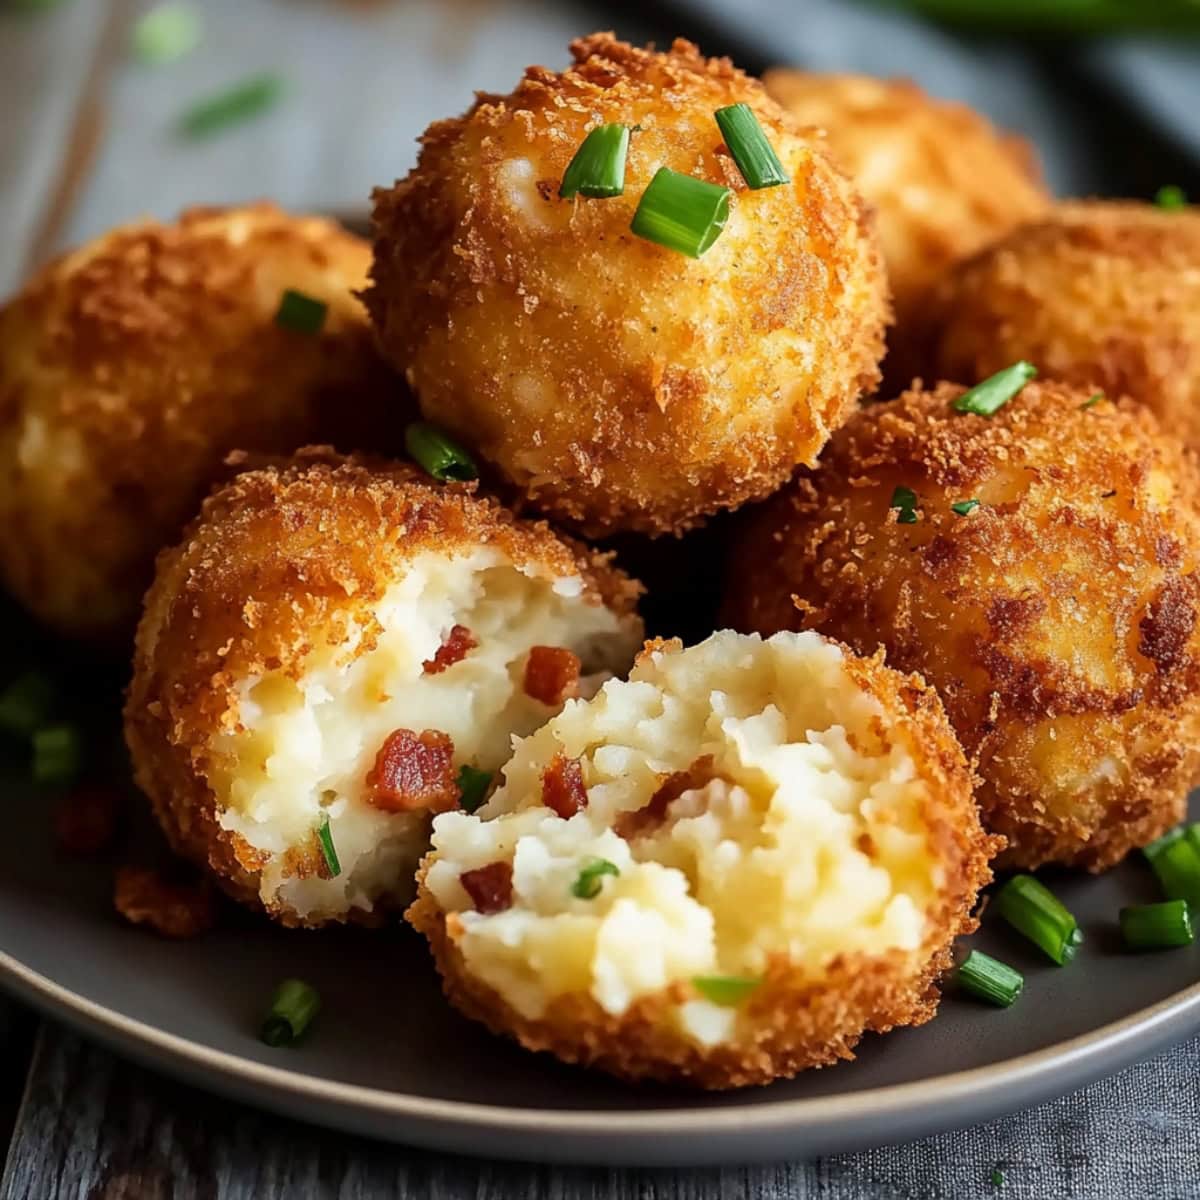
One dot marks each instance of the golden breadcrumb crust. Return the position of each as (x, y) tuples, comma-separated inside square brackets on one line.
[(281, 562), (613, 382), (1102, 294), (130, 367), (1058, 620), (796, 1018)]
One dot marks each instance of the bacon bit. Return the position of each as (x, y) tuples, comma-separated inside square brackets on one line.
[(414, 770), (490, 887), (144, 896), (552, 674), (562, 786), (459, 642), (652, 814), (85, 824)]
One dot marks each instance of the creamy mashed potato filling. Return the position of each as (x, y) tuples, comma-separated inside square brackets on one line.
[(779, 820), (304, 745)]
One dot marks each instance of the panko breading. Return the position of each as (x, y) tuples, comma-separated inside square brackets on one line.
[(944, 181), (1057, 619), (331, 642), (722, 871), (613, 382), (131, 367), (1102, 294)]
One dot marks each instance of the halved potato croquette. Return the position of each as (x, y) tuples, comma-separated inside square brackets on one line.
[(1056, 617), (328, 647), (723, 870)]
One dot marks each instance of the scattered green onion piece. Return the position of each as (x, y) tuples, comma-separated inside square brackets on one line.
[(325, 837), (1032, 909), (989, 397), (753, 153), (1157, 926), (905, 499), (472, 786), (26, 703), (990, 979), (239, 103), (598, 168), (1175, 860), (1092, 401), (681, 212), (997, 1177), (57, 753), (1171, 197), (167, 32), (963, 507), (300, 313), (292, 1010), (588, 885), (726, 990), (444, 459)]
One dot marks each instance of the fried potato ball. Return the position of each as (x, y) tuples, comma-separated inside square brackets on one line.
[(328, 648), (944, 181), (1054, 609), (130, 367), (722, 871), (614, 382), (1102, 294)]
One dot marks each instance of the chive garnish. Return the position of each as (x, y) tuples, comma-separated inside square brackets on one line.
[(1032, 909), (472, 786), (1092, 401), (753, 153), (589, 883), (905, 500), (292, 1009), (239, 103), (325, 838), (963, 507), (989, 397), (26, 703), (681, 212), (1175, 860), (300, 313), (1156, 926), (166, 33), (1170, 196), (990, 979), (726, 990), (444, 459), (598, 168), (57, 753)]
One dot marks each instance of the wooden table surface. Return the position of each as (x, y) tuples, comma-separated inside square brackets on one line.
[(86, 142)]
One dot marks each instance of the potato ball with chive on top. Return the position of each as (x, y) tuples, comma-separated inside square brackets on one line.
[(1031, 549), (339, 649), (130, 367), (721, 871), (634, 287)]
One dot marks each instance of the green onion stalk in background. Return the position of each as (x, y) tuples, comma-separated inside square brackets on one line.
[(1059, 16)]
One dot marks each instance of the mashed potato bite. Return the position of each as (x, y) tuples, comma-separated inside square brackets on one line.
[(612, 381), (327, 649), (130, 367), (723, 870), (1054, 610)]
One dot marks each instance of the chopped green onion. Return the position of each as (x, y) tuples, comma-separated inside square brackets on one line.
[(443, 459), (301, 313), (57, 753), (1092, 401), (681, 212), (990, 396), (598, 168), (588, 885), (963, 507), (753, 153), (726, 990), (325, 837), (905, 499), (1175, 859), (997, 1177), (292, 1010), (990, 979), (239, 103), (1156, 926), (1171, 196), (1032, 909), (472, 786), (167, 32), (26, 703)]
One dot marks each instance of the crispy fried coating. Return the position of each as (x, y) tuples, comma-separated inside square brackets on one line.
[(1102, 294), (1057, 620), (616, 383), (131, 367)]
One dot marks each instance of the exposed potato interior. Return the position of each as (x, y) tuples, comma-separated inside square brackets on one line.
[(305, 742), (802, 839)]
